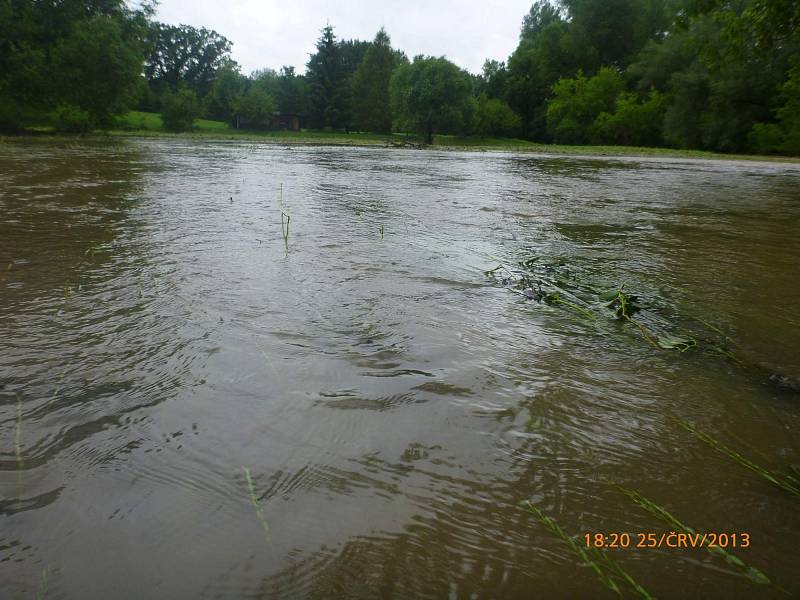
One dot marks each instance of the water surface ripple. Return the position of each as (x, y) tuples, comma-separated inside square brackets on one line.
[(392, 405)]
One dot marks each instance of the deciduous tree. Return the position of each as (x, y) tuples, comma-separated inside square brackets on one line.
[(431, 95)]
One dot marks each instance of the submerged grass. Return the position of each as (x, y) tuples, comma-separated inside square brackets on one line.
[(18, 435), (285, 230), (42, 593), (608, 571), (285, 218), (555, 298), (662, 514), (254, 500), (18, 446), (786, 481)]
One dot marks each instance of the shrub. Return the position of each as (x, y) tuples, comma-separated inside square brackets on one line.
[(495, 117), (179, 110), (11, 118), (577, 102), (71, 119), (765, 138), (634, 122), (256, 108)]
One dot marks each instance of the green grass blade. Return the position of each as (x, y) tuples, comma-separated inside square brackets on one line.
[(662, 514), (608, 571), (787, 483), (254, 500)]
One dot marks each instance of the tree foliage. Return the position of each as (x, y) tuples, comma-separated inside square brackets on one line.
[(186, 56), (431, 95), (86, 55), (325, 73), (495, 117), (371, 100), (577, 102), (706, 74), (541, 58), (179, 110), (635, 121), (96, 70), (255, 107)]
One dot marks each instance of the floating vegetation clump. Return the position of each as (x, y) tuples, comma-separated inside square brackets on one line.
[(662, 514), (608, 571), (552, 282), (789, 481)]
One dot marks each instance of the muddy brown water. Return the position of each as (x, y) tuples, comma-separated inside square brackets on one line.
[(393, 406)]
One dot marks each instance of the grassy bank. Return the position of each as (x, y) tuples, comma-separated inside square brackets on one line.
[(143, 124)]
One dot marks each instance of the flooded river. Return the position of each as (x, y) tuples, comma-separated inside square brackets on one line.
[(195, 405)]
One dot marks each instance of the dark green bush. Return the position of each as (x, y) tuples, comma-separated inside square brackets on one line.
[(179, 110), (71, 119), (10, 115)]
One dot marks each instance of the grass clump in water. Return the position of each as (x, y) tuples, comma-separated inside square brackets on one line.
[(608, 571)]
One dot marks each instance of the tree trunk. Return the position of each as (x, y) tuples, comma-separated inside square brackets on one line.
[(429, 134)]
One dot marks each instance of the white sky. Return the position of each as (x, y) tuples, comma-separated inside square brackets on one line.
[(272, 33)]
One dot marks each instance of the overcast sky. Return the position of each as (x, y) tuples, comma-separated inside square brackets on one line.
[(269, 33)]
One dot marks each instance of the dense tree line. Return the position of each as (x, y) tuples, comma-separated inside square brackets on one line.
[(709, 74), (76, 60)]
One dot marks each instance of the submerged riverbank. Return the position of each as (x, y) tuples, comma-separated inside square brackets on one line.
[(354, 139)]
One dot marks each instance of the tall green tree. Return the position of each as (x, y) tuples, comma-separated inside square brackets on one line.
[(493, 80), (352, 53), (432, 95), (229, 85), (77, 53), (292, 92), (540, 59), (718, 81), (611, 32), (182, 55), (180, 109), (97, 69), (371, 100), (325, 74)]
